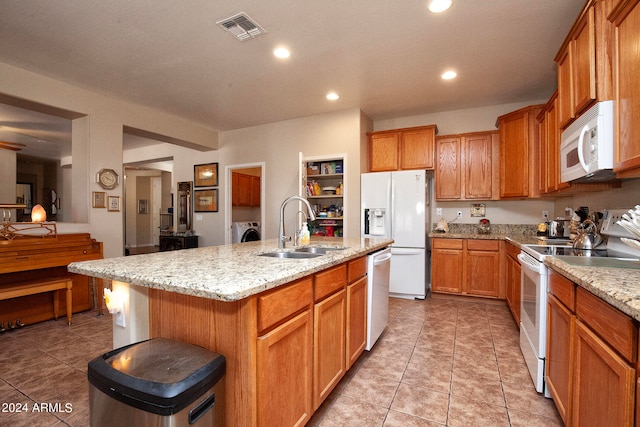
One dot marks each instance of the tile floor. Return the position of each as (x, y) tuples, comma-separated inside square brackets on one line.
[(445, 361)]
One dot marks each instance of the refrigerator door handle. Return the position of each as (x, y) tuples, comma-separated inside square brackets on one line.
[(390, 197), (406, 251)]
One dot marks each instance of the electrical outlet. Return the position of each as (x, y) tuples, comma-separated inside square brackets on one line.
[(545, 215), (118, 319), (439, 211), (459, 214)]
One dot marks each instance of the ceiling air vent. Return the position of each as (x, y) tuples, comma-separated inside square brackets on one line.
[(241, 26)]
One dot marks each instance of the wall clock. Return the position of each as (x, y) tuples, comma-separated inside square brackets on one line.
[(107, 178)]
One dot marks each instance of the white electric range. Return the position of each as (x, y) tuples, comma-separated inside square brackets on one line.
[(534, 287)]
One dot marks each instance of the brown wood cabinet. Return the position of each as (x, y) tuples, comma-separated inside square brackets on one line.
[(356, 330), (518, 155), (466, 266), (584, 62), (591, 350), (626, 18), (286, 348), (399, 149), (559, 357), (245, 190), (549, 138), (329, 330), (467, 166), (512, 279)]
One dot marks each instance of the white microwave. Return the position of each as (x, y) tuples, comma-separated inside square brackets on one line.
[(586, 148)]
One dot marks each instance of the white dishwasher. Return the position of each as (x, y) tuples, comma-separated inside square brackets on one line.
[(378, 267)]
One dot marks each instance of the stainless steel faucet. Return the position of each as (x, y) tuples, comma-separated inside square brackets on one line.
[(281, 237)]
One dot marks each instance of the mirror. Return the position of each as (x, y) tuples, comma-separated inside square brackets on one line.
[(185, 208)]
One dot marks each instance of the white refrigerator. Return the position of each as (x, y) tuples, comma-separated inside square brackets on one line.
[(395, 205)]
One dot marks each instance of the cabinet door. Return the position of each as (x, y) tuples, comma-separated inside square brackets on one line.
[(565, 88), (559, 364), (478, 166), (356, 320), (448, 165), (235, 188), (584, 62), (255, 191), (383, 152), (483, 278), (513, 288), (244, 190), (416, 148), (514, 153), (446, 270), (329, 347), (284, 373), (604, 384), (627, 89)]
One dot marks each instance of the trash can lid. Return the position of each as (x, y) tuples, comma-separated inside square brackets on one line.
[(160, 375)]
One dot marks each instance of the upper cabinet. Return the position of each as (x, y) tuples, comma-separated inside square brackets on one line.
[(518, 153), (399, 149), (467, 166), (548, 165), (626, 18), (245, 190), (584, 63)]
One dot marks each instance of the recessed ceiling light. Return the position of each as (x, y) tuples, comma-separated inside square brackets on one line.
[(439, 6), (332, 96), (448, 75), (282, 52)]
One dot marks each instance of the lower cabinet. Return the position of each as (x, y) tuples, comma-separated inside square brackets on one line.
[(512, 280), (308, 335), (466, 266), (329, 345), (284, 388), (591, 357)]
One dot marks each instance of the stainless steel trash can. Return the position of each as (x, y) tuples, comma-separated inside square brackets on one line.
[(159, 382)]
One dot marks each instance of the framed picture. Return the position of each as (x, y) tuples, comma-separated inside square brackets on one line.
[(143, 206), (205, 175), (99, 199), (113, 203), (206, 200)]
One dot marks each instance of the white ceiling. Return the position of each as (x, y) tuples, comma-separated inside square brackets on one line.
[(384, 57)]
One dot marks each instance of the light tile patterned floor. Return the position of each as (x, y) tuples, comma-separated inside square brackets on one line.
[(445, 361)]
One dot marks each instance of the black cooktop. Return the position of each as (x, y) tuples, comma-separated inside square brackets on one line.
[(558, 250)]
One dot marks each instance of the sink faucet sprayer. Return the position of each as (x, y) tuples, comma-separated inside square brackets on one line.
[(281, 237)]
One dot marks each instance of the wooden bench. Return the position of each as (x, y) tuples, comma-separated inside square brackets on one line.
[(54, 285)]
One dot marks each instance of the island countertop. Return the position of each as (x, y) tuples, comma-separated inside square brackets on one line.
[(226, 272)]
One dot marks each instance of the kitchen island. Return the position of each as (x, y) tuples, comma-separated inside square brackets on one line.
[(288, 328)]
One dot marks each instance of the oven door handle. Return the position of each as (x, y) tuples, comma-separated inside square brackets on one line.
[(530, 263)]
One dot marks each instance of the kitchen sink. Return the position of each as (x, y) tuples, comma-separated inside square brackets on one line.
[(319, 250), (294, 255)]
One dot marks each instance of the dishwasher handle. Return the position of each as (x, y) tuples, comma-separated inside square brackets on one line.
[(382, 260)]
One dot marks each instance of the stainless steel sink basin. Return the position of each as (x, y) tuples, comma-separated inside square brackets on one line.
[(319, 250), (294, 255)]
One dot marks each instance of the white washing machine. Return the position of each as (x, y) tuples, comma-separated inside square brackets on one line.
[(245, 232)]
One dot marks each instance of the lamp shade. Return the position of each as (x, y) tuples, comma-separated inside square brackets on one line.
[(38, 214)]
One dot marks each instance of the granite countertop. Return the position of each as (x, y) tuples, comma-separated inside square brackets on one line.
[(225, 273), (616, 282), (619, 285)]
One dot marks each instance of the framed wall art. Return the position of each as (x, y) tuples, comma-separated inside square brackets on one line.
[(143, 206), (99, 199), (113, 203), (205, 175), (206, 200)]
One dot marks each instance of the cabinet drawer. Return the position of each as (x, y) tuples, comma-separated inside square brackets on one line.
[(279, 304), (483, 245), (563, 289), (447, 243), (356, 269), (615, 327), (329, 281)]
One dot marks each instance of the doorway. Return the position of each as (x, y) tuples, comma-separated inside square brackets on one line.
[(244, 196)]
